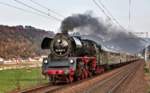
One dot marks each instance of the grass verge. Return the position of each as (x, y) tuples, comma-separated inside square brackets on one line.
[(20, 79)]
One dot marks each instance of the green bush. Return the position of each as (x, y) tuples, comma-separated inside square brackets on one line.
[(146, 70)]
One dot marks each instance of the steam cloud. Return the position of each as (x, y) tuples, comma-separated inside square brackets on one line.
[(102, 32)]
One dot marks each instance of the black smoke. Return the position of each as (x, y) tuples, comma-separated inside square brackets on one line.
[(81, 20), (103, 32)]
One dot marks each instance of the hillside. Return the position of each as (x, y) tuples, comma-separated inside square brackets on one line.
[(19, 41)]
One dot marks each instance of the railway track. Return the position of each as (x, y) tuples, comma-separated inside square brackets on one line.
[(109, 84), (47, 88), (41, 89)]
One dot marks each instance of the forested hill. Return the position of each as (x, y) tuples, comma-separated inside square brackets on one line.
[(21, 41)]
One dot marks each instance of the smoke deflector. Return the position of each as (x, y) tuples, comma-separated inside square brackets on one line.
[(46, 43)]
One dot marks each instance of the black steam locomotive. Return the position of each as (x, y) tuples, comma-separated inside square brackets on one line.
[(73, 58)]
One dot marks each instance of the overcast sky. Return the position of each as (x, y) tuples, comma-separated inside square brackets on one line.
[(140, 12)]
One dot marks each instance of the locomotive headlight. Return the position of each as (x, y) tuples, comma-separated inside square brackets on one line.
[(71, 61), (45, 61)]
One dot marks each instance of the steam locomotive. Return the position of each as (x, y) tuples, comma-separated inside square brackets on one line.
[(73, 58)]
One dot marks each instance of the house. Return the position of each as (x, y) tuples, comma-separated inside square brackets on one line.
[(1, 60)]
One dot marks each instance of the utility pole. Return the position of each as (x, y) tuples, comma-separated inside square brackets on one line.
[(146, 50)]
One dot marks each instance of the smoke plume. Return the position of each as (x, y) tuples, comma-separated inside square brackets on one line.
[(102, 32)]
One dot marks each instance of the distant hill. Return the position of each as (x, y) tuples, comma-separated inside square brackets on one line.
[(19, 41), (147, 40)]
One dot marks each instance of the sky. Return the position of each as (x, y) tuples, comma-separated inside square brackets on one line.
[(140, 13)]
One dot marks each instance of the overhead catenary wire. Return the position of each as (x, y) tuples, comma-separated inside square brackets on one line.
[(44, 7), (112, 17), (35, 9), (101, 9), (21, 9), (104, 9), (129, 13)]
